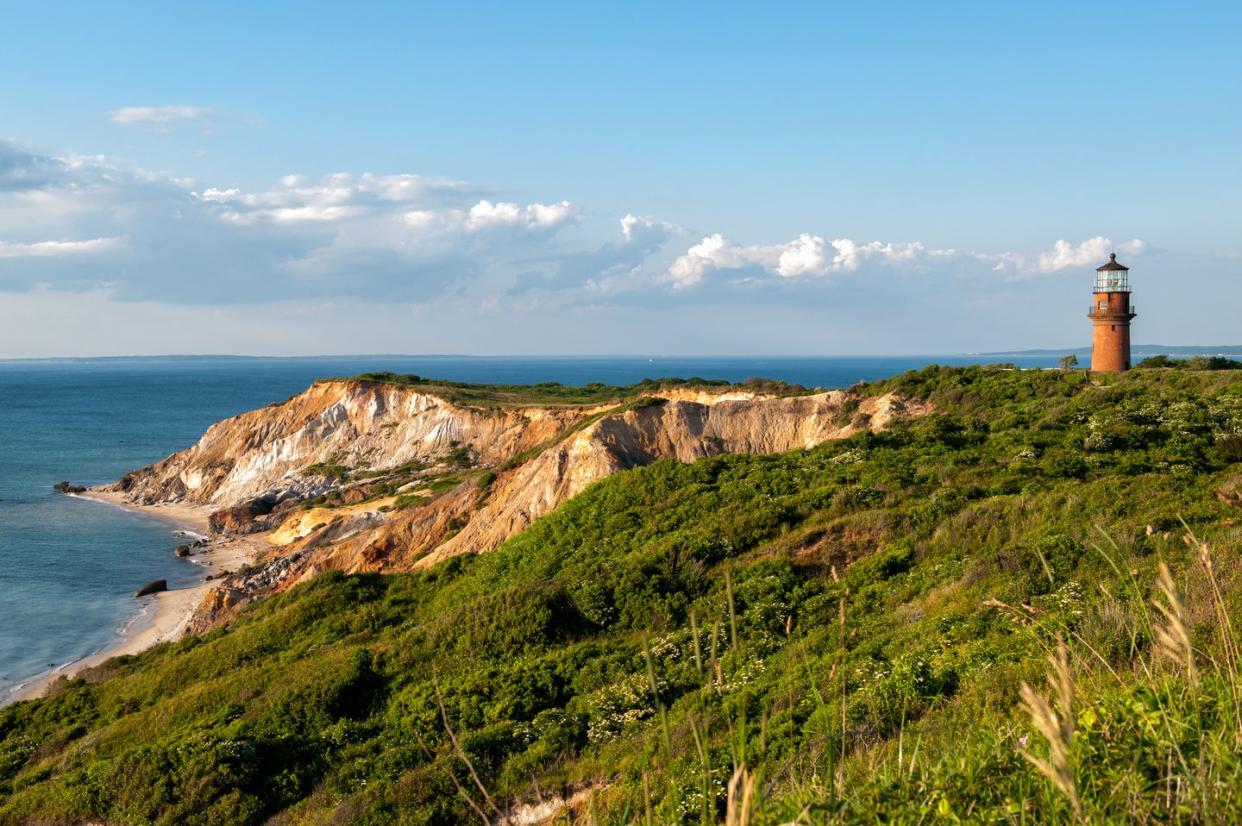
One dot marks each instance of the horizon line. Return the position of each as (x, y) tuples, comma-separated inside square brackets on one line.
[(1222, 349)]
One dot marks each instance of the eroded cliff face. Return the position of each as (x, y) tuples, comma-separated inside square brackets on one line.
[(344, 423), (678, 429), (411, 479)]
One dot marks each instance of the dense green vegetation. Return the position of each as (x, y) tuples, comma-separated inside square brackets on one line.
[(845, 630), (1192, 363), (554, 393)]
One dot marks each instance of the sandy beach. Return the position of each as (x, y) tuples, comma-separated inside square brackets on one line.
[(165, 615), (192, 518)]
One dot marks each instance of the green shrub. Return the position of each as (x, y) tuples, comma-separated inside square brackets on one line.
[(851, 622)]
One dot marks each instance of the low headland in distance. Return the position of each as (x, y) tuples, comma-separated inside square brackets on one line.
[(1138, 350), (970, 592)]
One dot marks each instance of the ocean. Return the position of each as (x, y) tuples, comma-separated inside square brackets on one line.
[(69, 566)]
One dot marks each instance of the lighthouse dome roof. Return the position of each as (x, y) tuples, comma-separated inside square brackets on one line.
[(1112, 265)]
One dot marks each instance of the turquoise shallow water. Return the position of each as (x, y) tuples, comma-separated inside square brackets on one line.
[(68, 566)]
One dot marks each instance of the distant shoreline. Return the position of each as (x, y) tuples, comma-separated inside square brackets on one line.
[(1137, 350)]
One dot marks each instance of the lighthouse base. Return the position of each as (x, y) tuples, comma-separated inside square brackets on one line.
[(1110, 352)]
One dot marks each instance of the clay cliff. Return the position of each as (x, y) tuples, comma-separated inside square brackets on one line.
[(342, 423), (370, 476)]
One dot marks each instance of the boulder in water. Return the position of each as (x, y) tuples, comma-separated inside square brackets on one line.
[(65, 487), (153, 587)]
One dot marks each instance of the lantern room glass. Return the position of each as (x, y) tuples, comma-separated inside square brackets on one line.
[(1112, 281)]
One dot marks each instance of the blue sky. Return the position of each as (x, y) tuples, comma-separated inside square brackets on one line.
[(630, 178)]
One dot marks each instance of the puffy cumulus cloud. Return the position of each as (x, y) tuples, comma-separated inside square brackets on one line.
[(712, 253), (1092, 252), (486, 214), (849, 256), (645, 231), (1064, 255), (810, 255), (402, 236), (159, 118), (806, 255)]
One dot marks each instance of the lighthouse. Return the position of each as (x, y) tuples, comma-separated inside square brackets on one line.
[(1111, 312)]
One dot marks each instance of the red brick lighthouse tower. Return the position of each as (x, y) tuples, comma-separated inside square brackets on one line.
[(1111, 312)]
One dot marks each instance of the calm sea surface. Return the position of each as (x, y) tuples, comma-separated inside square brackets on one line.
[(68, 566)]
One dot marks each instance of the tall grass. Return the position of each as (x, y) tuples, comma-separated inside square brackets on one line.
[(1152, 737), (1055, 721), (1192, 725)]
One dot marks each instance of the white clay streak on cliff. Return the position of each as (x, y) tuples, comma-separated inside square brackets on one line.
[(348, 422), (377, 426)]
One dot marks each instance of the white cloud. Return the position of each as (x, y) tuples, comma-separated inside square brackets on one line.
[(712, 253), (849, 255), (1064, 255), (159, 118), (486, 214), (422, 218), (294, 214), (806, 255), (364, 235), (809, 255), (77, 222), (335, 197), (633, 225), (549, 215), (219, 195), (1092, 252), (57, 249), (645, 231)]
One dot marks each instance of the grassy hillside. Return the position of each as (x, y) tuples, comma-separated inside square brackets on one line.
[(844, 630)]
